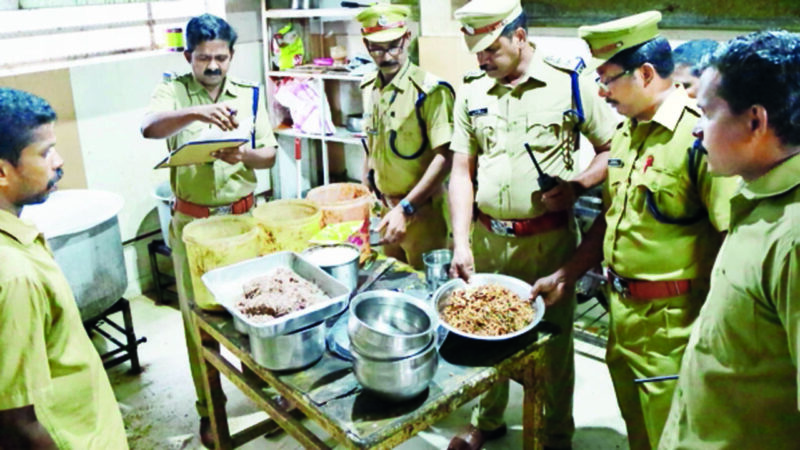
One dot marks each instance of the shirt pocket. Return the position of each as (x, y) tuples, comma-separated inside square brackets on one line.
[(487, 129), (544, 131), (670, 192)]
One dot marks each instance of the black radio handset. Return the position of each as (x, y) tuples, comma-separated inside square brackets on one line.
[(546, 182)]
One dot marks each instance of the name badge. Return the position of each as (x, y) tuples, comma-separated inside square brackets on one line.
[(478, 112), (615, 162)]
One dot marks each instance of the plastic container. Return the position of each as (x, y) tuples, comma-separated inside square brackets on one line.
[(341, 202), (217, 242), (287, 225), (163, 194)]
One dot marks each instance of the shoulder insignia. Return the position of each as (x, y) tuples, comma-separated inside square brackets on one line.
[(574, 64), (473, 75), (368, 79), (428, 82), (169, 76)]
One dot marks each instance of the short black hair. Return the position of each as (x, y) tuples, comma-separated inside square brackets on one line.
[(763, 68), (521, 21), (208, 28), (695, 54), (655, 51), (21, 113)]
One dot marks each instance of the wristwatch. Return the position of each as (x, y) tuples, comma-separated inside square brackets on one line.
[(408, 208)]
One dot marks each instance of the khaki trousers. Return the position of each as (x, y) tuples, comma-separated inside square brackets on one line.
[(529, 258), (647, 339), (427, 230)]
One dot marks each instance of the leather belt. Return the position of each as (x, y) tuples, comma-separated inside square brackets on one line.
[(646, 290), (524, 227), (240, 206)]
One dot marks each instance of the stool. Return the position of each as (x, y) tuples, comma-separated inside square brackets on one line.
[(127, 351), (165, 284)]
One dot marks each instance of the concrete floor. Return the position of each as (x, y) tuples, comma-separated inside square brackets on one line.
[(158, 404)]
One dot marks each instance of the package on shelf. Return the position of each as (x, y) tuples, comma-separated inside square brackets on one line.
[(310, 112), (287, 46)]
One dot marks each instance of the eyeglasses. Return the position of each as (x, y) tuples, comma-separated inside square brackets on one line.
[(394, 50), (604, 85)]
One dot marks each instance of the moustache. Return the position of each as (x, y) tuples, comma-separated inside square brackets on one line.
[(388, 64), (52, 183), (210, 73), (486, 67)]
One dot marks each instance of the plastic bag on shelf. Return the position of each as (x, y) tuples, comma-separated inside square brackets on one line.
[(287, 47), (302, 98)]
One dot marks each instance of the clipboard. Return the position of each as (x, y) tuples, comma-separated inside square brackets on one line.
[(197, 152)]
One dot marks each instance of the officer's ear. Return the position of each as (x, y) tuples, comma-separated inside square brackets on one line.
[(648, 73), (188, 55), (522, 35), (759, 119)]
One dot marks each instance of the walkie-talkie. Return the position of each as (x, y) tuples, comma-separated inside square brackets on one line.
[(546, 182)]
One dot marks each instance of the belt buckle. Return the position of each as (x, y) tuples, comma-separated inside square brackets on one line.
[(620, 286), (224, 209), (500, 227)]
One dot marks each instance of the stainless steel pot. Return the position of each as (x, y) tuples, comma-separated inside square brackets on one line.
[(290, 351), (389, 325), (340, 266), (399, 379)]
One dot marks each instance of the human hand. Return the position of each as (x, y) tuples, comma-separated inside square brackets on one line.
[(233, 155), (561, 197), (463, 264), (393, 226), (553, 288), (221, 115)]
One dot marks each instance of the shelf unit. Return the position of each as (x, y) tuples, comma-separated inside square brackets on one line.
[(314, 21)]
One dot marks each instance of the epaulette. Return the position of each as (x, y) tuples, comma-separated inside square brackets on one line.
[(243, 83), (574, 64), (473, 75), (368, 79), (430, 82)]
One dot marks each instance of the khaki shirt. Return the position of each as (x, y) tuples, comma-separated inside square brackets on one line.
[(217, 183), (654, 155), (46, 358), (391, 110), (738, 386), (494, 121)]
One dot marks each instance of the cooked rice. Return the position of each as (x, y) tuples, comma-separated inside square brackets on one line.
[(488, 310)]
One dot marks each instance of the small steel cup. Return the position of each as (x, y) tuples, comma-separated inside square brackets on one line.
[(437, 267)]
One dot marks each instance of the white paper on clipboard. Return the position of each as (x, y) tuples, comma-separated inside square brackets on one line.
[(198, 152)]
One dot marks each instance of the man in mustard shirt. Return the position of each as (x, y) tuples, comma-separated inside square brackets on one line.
[(54, 391), (409, 121), (180, 110), (664, 221), (738, 385), (521, 97)]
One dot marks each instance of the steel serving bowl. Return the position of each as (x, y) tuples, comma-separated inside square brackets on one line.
[(399, 379), (515, 285), (339, 260), (389, 325), (291, 351)]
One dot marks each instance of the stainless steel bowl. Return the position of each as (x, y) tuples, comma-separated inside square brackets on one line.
[(344, 265), (290, 351), (399, 379), (515, 285), (389, 325)]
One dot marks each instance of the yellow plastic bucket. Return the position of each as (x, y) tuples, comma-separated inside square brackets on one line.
[(287, 224), (217, 242), (341, 202)]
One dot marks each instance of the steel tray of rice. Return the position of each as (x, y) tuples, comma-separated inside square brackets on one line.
[(490, 307), (240, 287)]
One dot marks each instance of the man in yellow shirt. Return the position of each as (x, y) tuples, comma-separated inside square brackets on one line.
[(409, 121), (738, 385), (664, 221), (181, 109), (519, 98), (54, 391)]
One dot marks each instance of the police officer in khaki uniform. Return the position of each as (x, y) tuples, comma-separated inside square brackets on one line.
[(408, 115), (54, 391), (664, 220), (181, 109), (520, 97), (738, 383)]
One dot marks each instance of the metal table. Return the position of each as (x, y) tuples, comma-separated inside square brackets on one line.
[(329, 394)]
